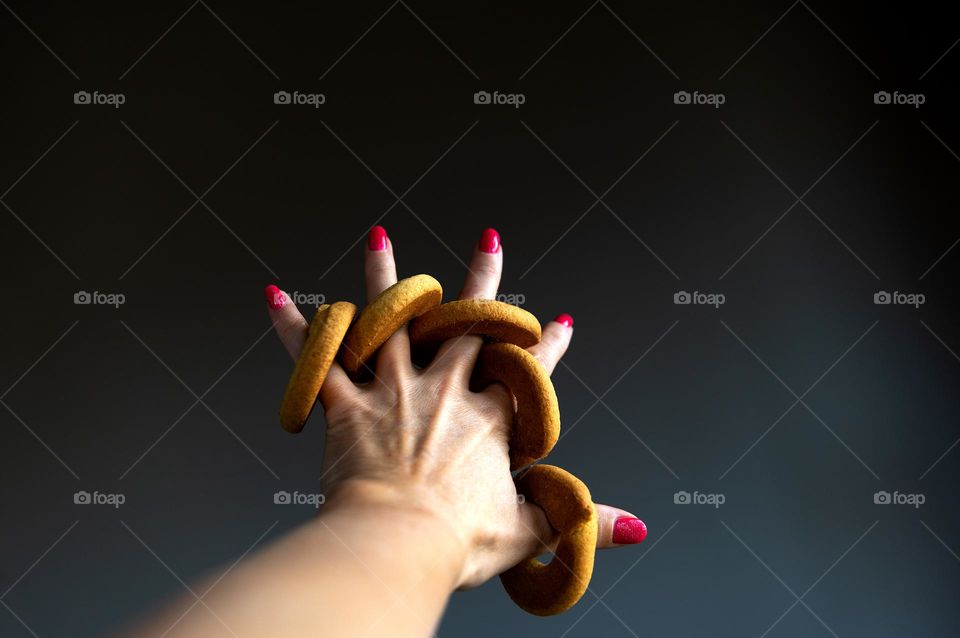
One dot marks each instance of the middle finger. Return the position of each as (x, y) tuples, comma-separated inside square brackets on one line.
[(482, 281)]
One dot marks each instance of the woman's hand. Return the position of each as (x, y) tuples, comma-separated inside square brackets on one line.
[(419, 442), (420, 500)]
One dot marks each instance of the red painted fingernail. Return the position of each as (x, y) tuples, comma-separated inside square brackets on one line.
[(275, 298), (565, 319), (490, 241), (628, 530), (377, 239)]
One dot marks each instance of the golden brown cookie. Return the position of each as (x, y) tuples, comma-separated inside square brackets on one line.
[(536, 424), (392, 309), (495, 319), (329, 325), (547, 589)]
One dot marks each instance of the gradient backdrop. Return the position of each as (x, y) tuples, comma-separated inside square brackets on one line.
[(798, 199)]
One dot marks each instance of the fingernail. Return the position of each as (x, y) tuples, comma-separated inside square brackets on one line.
[(275, 298), (565, 319), (628, 530), (490, 241), (377, 239)]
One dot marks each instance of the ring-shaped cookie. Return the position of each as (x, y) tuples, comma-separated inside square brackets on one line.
[(495, 319), (536, 423), (551, 588), (327, 328), (393, 308)]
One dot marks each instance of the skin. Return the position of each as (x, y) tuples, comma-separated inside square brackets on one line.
[(419, 497)]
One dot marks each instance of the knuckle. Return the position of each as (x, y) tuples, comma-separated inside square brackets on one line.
[(486, 269), (379, 269), (287, 330), (499, 403), (552, 344)]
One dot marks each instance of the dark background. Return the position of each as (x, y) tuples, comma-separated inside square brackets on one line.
[(105, 399)]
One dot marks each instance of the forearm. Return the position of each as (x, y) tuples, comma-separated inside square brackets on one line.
[(365, 569)]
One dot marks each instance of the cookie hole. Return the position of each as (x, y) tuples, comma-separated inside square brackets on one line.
[(546, 558)]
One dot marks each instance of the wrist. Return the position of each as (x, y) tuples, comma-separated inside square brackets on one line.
[(401, 519)]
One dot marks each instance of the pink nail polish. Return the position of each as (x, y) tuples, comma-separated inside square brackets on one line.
[(275, 298), (377, 239), (629, 531), (490, 241), (565, 319)]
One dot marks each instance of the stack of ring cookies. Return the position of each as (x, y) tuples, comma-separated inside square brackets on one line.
[(541, 589)]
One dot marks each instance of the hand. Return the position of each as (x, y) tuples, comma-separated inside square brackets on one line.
[(420, 442)]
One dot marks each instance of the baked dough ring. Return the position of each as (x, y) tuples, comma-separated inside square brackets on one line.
[(547, 589), (495, 319), (327, 328), (393, 308), (536, 424)]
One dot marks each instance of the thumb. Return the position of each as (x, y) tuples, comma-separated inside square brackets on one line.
[(618, 527)]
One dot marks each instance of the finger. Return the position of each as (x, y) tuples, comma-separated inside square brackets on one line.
[(380, 270), (290, 325), (482, 281), (554, 342), (292, 329), (618, 528), (486, 265), (378, 264)]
